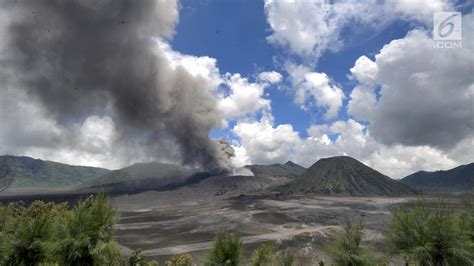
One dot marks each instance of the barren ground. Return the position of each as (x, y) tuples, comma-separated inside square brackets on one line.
[(165, 223)]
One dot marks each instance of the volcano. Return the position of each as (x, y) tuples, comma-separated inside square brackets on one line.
[(345, 176)]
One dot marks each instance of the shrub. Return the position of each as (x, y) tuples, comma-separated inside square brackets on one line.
[(26, 232), (137, 258), (346, 249), (180, 260), (226, 250), (86, 236), (431, 235), (263, 255), (286, 258)]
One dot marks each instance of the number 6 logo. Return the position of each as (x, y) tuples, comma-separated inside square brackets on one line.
[(447, 26)]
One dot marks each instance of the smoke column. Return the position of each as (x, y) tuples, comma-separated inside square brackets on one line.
[(86, 57)]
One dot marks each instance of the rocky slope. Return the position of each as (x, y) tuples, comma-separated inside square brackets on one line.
[(345, 176), (289, 169)]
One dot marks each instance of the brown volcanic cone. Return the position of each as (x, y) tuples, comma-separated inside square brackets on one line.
[(345, 176)]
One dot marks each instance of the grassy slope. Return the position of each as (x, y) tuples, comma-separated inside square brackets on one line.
[(34, 173)]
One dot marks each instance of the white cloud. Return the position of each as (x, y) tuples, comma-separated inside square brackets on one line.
[(244, 97), (198, 66), (263, 143), (426, 93), (315, 88), (364, 70), (362, 103), (310, 28), (272, 77), (421, 10)]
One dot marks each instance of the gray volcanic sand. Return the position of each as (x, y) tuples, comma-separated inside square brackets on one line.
[(166, 223)]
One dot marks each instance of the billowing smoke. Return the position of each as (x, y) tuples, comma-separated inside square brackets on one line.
[(84, 57)]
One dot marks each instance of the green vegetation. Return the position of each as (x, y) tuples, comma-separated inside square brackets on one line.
[(34, 173), (286, 258), (48, 233), (263, 255), (137, 258), (432, 233), (346, 250), (180, 260), (226, 250)]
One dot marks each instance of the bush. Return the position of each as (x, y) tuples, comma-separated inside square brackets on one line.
[(263, 255), (226, 250), (26, 232), (431, 234), (286, 258), (86, 236), (50, 234), (180, 260), (137, 258), (346, 249)]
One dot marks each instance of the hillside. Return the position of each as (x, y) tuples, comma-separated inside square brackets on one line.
[(289, 169), (28, 172), (345, 176), (145, 176), (458, 179)]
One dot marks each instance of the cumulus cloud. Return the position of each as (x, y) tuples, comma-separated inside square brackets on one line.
[(261, 142), (264, 142), (426, 93), (421, 10), (243, 98), (316, 89), (198, 66), (270, 76), (362, 103), (310, 28), (364, 70)]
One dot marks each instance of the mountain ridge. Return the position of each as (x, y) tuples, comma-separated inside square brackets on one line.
[(345, 176), (28, 172), (457, 179)]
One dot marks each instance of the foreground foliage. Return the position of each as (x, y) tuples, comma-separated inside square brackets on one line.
[(48, 233), (433, 233), (346, 250), (226, 250), (263, 255), (181, 259)]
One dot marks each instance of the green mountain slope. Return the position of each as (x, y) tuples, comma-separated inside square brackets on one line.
[(35, 173), (142, 177), (289, 169), (345, 176), (458, 179)]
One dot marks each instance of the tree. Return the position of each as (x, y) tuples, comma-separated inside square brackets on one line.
[(346, 249), (263, 255), (137, 258), (86, 235), (226, 250), (182, 259), (26, 232), (431, 234)]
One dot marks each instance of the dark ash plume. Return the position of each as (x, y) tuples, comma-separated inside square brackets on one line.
[(87, 57)]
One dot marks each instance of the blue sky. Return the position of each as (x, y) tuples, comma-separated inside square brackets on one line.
[(235, 32), (238, 34)]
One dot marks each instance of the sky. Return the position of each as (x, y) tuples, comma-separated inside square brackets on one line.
[(289, 80)]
